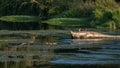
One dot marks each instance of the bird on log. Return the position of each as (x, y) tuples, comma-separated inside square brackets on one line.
[(90, 35)]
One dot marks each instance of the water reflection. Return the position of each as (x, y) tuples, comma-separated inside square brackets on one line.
[(56, 52), (48, 40)]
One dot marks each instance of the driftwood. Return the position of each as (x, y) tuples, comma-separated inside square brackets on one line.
[(90, 34)]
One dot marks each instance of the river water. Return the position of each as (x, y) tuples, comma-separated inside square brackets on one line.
[(59, 52)]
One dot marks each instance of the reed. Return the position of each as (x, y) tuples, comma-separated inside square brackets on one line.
[(19, 22), (68, 22), (19, 18)]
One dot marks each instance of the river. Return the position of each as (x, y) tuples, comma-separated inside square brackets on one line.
[(57, 51)]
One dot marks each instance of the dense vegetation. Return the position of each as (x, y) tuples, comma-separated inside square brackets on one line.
[(107, 14), (83, 13)]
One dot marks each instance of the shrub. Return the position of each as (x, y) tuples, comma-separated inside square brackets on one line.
[(106, 14)]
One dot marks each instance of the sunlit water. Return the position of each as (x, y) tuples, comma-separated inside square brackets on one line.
[(57, 52)]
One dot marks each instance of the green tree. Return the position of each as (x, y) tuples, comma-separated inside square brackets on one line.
[(79, 8), (105, 14)]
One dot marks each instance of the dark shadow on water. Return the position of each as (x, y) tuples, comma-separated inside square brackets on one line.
[(87, 66), (38, 65)]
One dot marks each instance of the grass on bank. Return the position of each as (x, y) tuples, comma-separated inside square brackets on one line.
[(68, 21), (19, 18)]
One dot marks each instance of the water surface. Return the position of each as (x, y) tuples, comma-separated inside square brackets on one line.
[(51, 51)]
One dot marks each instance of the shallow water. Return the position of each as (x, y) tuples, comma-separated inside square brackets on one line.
[(59, 52)]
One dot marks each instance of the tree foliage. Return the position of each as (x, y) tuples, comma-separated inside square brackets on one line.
[(106, 14), (103, 13), (43, 8)]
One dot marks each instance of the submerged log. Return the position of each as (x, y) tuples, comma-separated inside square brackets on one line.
[(90, 34)]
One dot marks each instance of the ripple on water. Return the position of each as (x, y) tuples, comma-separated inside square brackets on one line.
[(66, 51), (84, 61)]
